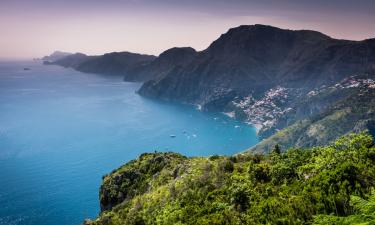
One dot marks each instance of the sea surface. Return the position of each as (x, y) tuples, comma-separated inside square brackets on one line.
[(62, 130)]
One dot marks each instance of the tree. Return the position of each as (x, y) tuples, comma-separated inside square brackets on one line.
[(276, 149)]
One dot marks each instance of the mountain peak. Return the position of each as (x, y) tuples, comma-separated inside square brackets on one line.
[(261, 28), (177, 50), (263, 39)]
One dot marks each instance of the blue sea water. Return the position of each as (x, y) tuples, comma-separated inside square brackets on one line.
[(61, 130)]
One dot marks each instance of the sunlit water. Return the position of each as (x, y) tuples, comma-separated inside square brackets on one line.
[(61, 130)]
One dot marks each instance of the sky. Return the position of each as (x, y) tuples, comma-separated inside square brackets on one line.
[(34, 28)]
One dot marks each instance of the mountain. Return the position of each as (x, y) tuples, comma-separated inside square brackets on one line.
[(256, 58), (257, 73), (299, 186), (164, 64), (56, 55), (115, 63), (132, 66)]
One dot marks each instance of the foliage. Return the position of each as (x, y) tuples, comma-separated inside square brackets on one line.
[(299, 186), (364, 213), (352, 113)]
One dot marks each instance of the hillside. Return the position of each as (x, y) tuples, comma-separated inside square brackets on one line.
[(279, 188), (326, 113)]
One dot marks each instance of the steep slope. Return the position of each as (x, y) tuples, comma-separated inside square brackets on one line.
[(281, 188)]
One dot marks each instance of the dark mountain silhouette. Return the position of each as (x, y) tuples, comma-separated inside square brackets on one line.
[(164, 64), (252, 59), (115, 63)]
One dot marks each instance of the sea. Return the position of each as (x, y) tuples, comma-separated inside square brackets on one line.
[(62, 130)]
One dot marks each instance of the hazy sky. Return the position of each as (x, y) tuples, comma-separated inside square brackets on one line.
[(33, 28)]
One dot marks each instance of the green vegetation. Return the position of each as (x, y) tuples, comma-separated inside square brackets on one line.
[(322, 185), (354, 113), (364, 213)]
